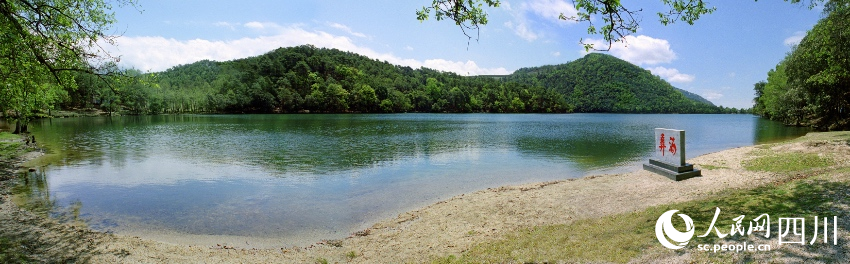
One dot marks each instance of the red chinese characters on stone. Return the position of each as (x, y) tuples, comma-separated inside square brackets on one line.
[(661, 146), (673, 145)]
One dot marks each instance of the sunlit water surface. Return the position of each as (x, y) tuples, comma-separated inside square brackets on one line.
[(298, 179)]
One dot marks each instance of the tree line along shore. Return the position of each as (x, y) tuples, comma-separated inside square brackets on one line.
[(306, 79)]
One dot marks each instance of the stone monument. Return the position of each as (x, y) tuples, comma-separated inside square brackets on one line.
[(669, 158)]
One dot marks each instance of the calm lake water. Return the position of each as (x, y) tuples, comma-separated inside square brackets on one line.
[(298, 179)]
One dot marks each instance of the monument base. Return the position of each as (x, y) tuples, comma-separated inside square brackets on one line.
[(676, 173)]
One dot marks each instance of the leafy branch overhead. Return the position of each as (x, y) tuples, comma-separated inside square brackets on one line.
[(43, 43), (59, 36), (618, 21), (467, 14)]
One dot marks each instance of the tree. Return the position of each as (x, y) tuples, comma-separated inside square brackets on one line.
[(780, 100), (24, 100), (810, 86), (758, 105), (363, 98), (43, 42), (820, 66), (340, 82)]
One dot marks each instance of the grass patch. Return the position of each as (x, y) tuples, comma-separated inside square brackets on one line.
[(351, 255), (788, 162), (624, 237), (577, 241), (9, 151), (6, 136), (10, 251), (712, 167), (828, 136)]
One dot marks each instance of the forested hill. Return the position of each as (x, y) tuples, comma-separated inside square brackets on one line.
[(695, 97), (306, 78), (603, 83)]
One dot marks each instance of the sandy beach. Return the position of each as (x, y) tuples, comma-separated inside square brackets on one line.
[(452, 226)]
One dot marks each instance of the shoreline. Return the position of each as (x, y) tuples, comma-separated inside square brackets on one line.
[(453, 225)]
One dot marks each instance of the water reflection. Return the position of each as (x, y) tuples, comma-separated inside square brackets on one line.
[(327, 144), (767, 131), (33, 193), (310, 177)]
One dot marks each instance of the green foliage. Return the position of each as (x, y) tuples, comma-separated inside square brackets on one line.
[(10, 150), (603, 83), (10, 251), (306, 78), (712, 167), (309, 78), (351, 255), (820, 66), (43, 43), (788, 162), (810, 86), (467, 14), (4, 136), (618, 21), (778, 100)]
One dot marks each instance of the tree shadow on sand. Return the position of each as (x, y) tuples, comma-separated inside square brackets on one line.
[(27, 235), (805, 199)]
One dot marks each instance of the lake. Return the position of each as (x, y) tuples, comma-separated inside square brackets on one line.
[(285, 180)]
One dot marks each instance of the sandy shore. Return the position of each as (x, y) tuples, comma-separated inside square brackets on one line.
[(454, 225)]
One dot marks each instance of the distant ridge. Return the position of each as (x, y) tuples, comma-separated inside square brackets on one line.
[(603, 83), (695, 97), (310, 79)]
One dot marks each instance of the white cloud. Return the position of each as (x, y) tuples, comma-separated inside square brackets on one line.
[(462, 68), (794, 39), (640, 50), (644, 50), (556, 54), (408, 47), (231, 26), (159, 53), (255, 25), (549, 10), (712, 95), (672, 75), (522, 30), (507, 6), (347, 30)]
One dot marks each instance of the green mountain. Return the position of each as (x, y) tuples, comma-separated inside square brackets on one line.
[(604, 83), (695, 97), (306, 78)]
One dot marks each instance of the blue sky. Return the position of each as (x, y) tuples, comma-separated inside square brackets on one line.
[(720, 57)]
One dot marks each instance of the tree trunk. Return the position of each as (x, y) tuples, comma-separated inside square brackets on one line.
[(20, 127)]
